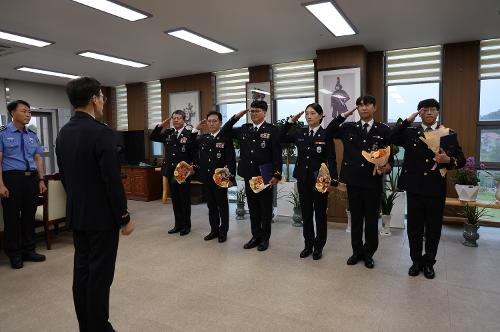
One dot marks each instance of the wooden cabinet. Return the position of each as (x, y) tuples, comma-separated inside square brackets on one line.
[(141, 183)]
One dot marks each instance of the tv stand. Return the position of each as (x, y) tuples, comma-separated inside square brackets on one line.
[(141, 183)]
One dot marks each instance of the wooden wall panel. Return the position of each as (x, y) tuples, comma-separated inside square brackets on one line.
[(375, 81), (107, 112), (136, 106), (260, 74)]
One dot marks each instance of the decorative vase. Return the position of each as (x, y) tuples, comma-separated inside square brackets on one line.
[(348, 228), (467, 193), (470, 235), (497, 194), (386, 225), (240, 211), (297, 217)]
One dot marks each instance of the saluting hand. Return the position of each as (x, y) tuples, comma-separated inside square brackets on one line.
[(166, 122), (202, 124), (238, 116), (348, 113), (4, 192), (128, 228), (412, 117), (296, 117)]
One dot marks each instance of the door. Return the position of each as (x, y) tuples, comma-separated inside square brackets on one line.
[(41, 123)]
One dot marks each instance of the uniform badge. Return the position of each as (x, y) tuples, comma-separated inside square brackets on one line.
[(263, 144), (183, 149), (319, 149), (265, 135), (219, 145), (219, 155), (184, 140), (31, 140)]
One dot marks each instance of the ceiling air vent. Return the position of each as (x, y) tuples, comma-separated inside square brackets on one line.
[(6, 49)]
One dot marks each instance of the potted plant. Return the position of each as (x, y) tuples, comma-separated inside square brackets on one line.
[(240, 203), (293, 198), (389, 194), (288, 150), (472, 215), (466, 181)]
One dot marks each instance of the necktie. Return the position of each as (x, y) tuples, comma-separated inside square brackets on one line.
[(176, 133), (311, 133), (255, 129), (365, 128), (428, 129)]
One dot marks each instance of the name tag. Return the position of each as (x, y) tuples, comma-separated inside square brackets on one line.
[(319, 142), (219, 145), (183, 140), (265, 135)]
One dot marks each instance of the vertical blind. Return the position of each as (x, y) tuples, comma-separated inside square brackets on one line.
[(293, 79), (413, 65), (121, 108), (153, 101), (230, 85), (490, 58)]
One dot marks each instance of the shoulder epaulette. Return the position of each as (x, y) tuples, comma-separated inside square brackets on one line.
[(31, 130)]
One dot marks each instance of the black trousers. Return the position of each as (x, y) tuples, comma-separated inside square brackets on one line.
[(19, 209), (425, 213), (261, 211), (312, 203), (94, 269), (181, 201), (364, 205), (218, 207)]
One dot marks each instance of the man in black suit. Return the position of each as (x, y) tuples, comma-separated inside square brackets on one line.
[(96, 206), (364, 190), (260, 149), (215, 151), (178, 143), (425, 186)]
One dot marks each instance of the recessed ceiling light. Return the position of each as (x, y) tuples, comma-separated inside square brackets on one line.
[(195, 38), (109, 58), (23, 39), (46, 72), (332, 17), (116, 8)]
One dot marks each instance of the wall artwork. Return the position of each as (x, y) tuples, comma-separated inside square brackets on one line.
[(260, 91), (189, 102)]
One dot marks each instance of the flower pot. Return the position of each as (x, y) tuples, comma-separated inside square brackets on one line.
[(240, 211), (467, 193), (386, 225), (297, 217), (348, 228), (470, 235)]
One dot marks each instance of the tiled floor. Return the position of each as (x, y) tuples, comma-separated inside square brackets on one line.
[(171, 283)]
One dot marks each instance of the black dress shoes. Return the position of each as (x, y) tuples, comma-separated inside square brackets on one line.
[(185, 231), (317, 254), (222, 238), (251, 244), (211, 236), (16, 262), (353, 260), (32, 256), (429, 272), (306, 252), (369, 263), (414, 270), (174, 230), (263, 245)]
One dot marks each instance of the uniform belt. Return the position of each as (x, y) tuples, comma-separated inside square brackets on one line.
[(25, 173)]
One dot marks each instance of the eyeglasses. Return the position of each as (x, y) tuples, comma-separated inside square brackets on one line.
[(104, 98), (256, 110)]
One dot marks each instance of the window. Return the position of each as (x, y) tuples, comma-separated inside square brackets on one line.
[(293, 79), (287, 107), (487, 189), (121, 108), (153, 96), (411, 75), (228, 110), (230, 86)]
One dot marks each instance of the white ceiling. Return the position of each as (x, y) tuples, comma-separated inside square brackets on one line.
[(263, 32)]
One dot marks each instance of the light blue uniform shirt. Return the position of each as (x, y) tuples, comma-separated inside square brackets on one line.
[(18, 148)]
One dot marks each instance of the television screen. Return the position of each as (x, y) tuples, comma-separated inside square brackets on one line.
[(130, 147)]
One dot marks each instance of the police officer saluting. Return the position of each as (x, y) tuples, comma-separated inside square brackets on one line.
[(21, 181), (260, 150), (215, 151)]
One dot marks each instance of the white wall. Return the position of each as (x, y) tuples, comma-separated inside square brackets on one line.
[(3, 102), (39, 95)]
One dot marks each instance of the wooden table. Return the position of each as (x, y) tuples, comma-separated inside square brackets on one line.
[(485, 204)]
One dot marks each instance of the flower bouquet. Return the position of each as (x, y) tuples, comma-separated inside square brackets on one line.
[(323, 180), (257, 184), (433, 141), (182, 171), (222, 177), (378, 157)]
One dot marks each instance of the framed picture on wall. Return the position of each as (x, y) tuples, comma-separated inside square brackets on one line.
[(260, 91), (189, 102), (337, 92)]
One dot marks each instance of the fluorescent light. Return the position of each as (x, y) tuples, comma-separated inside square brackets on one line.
[(46, 72), (116, 9), (23, 39), (328, 13), (108, 58), (199, 40)]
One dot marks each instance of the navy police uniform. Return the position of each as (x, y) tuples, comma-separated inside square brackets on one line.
[(425, 190), (20, 176), (259, 145), (215, 151), (178, 147), (364, 190), (314, 148), (96, 208)]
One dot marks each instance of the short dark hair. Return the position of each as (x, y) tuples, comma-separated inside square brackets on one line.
[(259, 104), (81, 90), (215, 113), (315, 106), (12, 106), (359, 101), (180, 112), (428, 103), (367, 99)]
